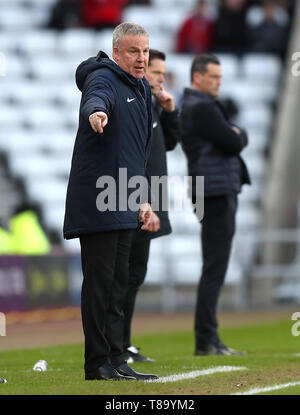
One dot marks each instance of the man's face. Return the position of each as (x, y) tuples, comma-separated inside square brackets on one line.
[(210, 81), (155, 75), (132, 55)]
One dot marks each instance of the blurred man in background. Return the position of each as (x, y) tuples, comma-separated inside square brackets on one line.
[(25, 234), (102, 14), (196, 33), (166, 134), (230, 34), (65, 14), (212, 146), (270, 35)]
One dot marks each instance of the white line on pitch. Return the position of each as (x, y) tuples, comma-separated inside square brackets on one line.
[(196, 373), (254, 391)]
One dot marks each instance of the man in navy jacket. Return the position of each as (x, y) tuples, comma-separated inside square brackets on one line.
[(111, 148), (212, 146)]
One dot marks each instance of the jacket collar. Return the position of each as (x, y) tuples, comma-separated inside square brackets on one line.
[(199, 94)]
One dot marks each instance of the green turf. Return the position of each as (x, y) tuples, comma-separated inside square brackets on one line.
[(270, 360)]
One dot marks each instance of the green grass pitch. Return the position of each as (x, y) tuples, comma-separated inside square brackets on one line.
[(271, 359)]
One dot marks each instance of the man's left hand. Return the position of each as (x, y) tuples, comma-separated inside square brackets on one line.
[(150, 223), (153, 224)]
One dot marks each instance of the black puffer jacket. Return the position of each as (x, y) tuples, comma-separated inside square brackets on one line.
[(166, 135), (124, 143), (211, 145)]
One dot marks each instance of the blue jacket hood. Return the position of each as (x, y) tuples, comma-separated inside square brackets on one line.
[(101, 60)]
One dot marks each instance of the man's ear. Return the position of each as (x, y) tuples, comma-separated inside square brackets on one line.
[(197, 77), (116, 53)]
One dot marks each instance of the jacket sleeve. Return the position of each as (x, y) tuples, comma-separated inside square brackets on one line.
[(212, 126), (171, 127), (97, 95), (244, 136)]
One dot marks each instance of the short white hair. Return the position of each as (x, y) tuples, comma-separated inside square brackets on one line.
[(127, 28)]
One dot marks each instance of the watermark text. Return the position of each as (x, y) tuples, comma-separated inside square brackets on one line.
[(165, 193), (296, 326), (296, 65), (2, 324)]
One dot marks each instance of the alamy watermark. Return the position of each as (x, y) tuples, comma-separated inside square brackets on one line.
[(166, 193), (2, 64), (2, 324), (296, 326), (296, 66)]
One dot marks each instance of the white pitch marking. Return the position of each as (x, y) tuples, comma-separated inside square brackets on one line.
[(196, 373), (254, 391)]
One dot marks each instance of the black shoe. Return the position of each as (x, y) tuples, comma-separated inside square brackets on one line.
[(208, 350), (220, 349), (230, 352), (106, 372), (133, 355), (126, 370)]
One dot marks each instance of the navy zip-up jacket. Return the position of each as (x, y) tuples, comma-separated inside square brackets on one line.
[(124, 143), (211, 146)]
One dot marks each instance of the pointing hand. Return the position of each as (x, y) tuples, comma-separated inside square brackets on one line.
[(98, 121)]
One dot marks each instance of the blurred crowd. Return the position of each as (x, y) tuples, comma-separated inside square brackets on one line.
[(97, 14), (238, 26)]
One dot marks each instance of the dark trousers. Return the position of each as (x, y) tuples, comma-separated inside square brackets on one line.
[(104, 257), (138, 260), (218, 227)]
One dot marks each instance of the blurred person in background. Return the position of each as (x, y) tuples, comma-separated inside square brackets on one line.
[(166, 134), (196, 33), (28, 236), (25, 234), (95, 14), (114, 134), (212, 145), (65, 14), (283, 6), (270, 35), (229, 33), (102, 14)]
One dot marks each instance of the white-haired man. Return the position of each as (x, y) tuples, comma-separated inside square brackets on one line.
[(114, 135)]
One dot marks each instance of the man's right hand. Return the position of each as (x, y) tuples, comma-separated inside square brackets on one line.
[(236, 129), (98, 121)]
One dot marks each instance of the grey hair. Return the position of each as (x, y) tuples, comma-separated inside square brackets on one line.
[(127, 28)]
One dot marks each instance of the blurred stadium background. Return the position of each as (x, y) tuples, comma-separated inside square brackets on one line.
[(38, 121)]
